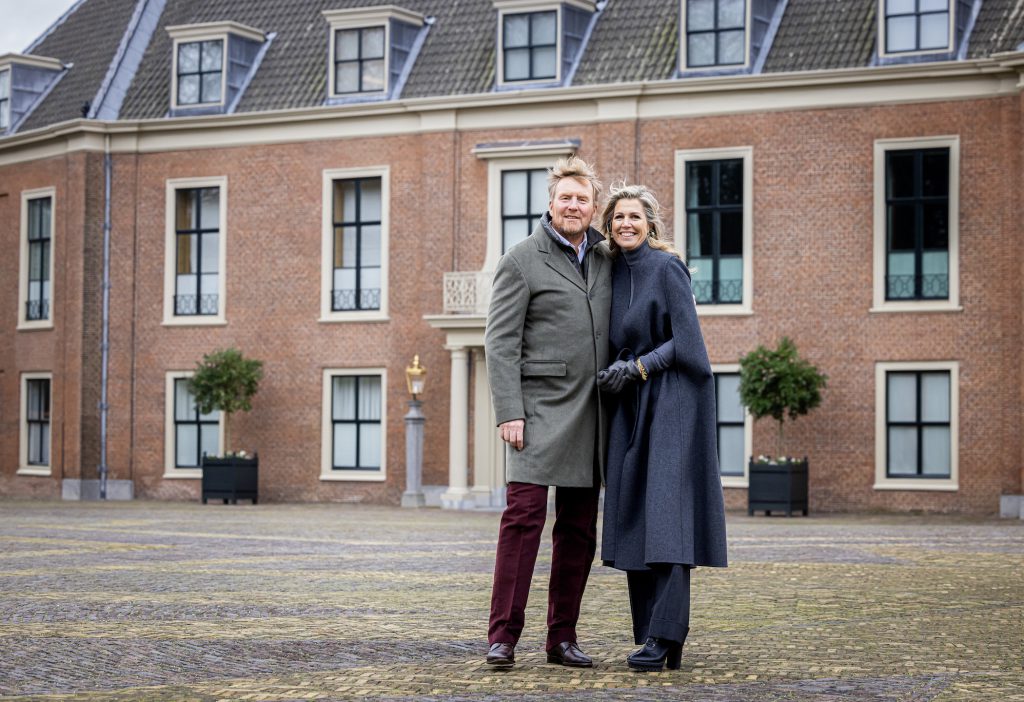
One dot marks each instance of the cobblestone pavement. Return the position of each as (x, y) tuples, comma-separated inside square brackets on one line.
[(161, 601)]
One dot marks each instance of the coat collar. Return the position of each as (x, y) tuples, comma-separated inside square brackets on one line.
[(546, 244)]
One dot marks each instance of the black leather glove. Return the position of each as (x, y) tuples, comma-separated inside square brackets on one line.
[(615, 377)]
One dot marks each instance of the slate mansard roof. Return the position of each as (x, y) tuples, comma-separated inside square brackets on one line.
[(631, 41)]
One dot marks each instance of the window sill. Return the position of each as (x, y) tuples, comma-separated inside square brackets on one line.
[(35, 326), (922, 485), (923, 306), (354, 317), (38, 471), (183, 473), (360, 476), (195, 322), (724, 311), (735, 482)]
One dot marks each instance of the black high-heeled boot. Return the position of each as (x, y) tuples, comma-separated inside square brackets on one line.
[(656, 654)]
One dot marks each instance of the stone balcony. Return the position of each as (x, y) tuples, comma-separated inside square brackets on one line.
[(467, 292)]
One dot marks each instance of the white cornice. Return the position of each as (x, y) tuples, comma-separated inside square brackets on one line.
[(525, 148), (184, 32), (29, 60), (364, 16), (955, 80)]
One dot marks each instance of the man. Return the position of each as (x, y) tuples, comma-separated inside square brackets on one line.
[(546, 338)]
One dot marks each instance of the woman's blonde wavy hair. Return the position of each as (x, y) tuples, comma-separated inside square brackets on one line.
[(652, 210)]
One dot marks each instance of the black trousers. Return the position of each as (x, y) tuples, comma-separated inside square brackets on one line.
[(660, 602)]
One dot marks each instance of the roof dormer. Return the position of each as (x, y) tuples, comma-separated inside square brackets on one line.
[(212, 64), (912, 31), (540, 41), (722, 37), (372, 50), (24, 81)]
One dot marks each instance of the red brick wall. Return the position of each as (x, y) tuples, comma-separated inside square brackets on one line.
[(812, 258)]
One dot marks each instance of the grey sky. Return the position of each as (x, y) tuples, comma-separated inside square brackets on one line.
[(24, 20)]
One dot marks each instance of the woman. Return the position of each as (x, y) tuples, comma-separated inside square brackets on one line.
[(663, 509)]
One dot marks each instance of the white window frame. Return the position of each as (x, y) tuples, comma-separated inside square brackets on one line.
[(210, 31), (882, 481), (25, 324), (7, 108), (525, 7), (746, 153), (879, 303), (170, 471), (327, 244), (366, 18), (738, 481), (23, 465), (685, 68), (327, 473), (882, 40), (512, 158), (170, 253)]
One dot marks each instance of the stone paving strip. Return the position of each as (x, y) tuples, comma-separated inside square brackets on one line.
[(164, 601)]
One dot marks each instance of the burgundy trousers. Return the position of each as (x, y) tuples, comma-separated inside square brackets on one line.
[(574, 542)]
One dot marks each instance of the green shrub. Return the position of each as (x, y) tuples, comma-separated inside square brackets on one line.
[(778, 383), (226, 381)]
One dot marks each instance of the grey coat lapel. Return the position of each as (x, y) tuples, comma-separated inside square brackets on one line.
[(557, 259)]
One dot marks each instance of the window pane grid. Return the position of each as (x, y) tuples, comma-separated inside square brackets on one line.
[(916, 26), (37, 417), (714, 208), (917, 224), (200, 65), (918, 447), (197, 251), (356, 422), (730, 424), (715, 33), (194, 433), (524, 201), (530, 46), (357, 255), (37, 303), (359, 60)]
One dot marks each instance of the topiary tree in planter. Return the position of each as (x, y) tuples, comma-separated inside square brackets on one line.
[(226, 381), (778, 383)]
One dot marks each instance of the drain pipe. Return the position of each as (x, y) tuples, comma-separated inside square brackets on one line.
[(105, 343)]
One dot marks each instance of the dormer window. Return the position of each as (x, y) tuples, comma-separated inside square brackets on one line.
[(917, 26), (540, 42), (24, 80), (200, 72), (530, 46), (212, 64), (911, 31), (726, 37), (5, 99), (372, 51), (359, 60), (716, 33)]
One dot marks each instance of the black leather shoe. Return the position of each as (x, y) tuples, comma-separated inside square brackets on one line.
[(656, 654), (568, 653), (502, 654)]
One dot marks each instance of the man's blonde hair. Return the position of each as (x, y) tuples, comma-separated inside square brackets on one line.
[(573, 167)]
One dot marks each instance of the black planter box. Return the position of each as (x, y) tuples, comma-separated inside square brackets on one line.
[(231, 479), (778, 486)]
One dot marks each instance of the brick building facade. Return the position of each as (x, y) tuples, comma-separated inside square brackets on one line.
[(866, 198)]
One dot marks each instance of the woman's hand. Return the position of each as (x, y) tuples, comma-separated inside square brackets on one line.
[(615, 377)]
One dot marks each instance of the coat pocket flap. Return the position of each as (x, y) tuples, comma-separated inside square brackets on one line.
[(543, 368)]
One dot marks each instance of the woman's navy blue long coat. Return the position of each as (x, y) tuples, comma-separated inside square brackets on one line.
[(663, 499)]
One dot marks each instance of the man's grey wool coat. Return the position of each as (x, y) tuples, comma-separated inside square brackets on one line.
[(546, 338)]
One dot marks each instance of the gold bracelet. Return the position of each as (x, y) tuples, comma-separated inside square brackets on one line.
[(643, 371)]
